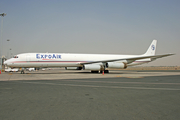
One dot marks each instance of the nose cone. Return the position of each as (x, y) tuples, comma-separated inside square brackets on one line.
[(8, 62), (5, 62)]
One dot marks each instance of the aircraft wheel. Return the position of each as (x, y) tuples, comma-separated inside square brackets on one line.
[(22, 72), (106, 71), (94, 71)]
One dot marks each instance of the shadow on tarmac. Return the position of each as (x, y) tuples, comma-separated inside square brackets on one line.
[(86, 72)]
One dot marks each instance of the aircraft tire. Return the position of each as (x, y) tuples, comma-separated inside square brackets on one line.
[(94, 71), (106, 71)]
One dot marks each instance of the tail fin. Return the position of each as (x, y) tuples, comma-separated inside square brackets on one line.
[(152, 48)]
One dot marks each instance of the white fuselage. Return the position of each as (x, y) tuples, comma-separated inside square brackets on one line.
[(64, 60), (93, 62)]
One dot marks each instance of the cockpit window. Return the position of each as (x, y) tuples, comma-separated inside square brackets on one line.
[(15, 56)]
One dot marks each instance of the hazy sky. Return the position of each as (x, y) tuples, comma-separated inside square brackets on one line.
[(92, 26)]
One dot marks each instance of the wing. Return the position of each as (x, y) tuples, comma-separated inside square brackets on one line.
[(129, 59)]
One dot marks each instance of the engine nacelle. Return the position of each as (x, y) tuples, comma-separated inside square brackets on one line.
[(73, 68), (116, 65), (92, 67)]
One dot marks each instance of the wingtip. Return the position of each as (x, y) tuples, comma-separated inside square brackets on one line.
[(171, 53)]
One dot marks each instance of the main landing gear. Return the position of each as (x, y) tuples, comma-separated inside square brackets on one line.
[(94, 71), (105, 71)]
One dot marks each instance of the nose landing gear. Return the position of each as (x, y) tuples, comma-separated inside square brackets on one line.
[(22, 71)]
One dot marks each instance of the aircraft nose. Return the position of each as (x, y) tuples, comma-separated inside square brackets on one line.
[(5, 62)]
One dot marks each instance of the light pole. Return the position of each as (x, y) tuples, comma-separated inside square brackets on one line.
[(10, 52), (2, 15), (8, 49)]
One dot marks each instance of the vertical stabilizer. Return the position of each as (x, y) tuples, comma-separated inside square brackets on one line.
[(152, 48)]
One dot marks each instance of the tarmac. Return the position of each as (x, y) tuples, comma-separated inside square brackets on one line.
[(67, 95)]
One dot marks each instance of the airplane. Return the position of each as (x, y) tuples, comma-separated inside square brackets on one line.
[(93, 62)]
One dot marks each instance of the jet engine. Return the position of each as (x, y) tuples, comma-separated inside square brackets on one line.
[(92, 67), (117, 65), (73, 68)]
